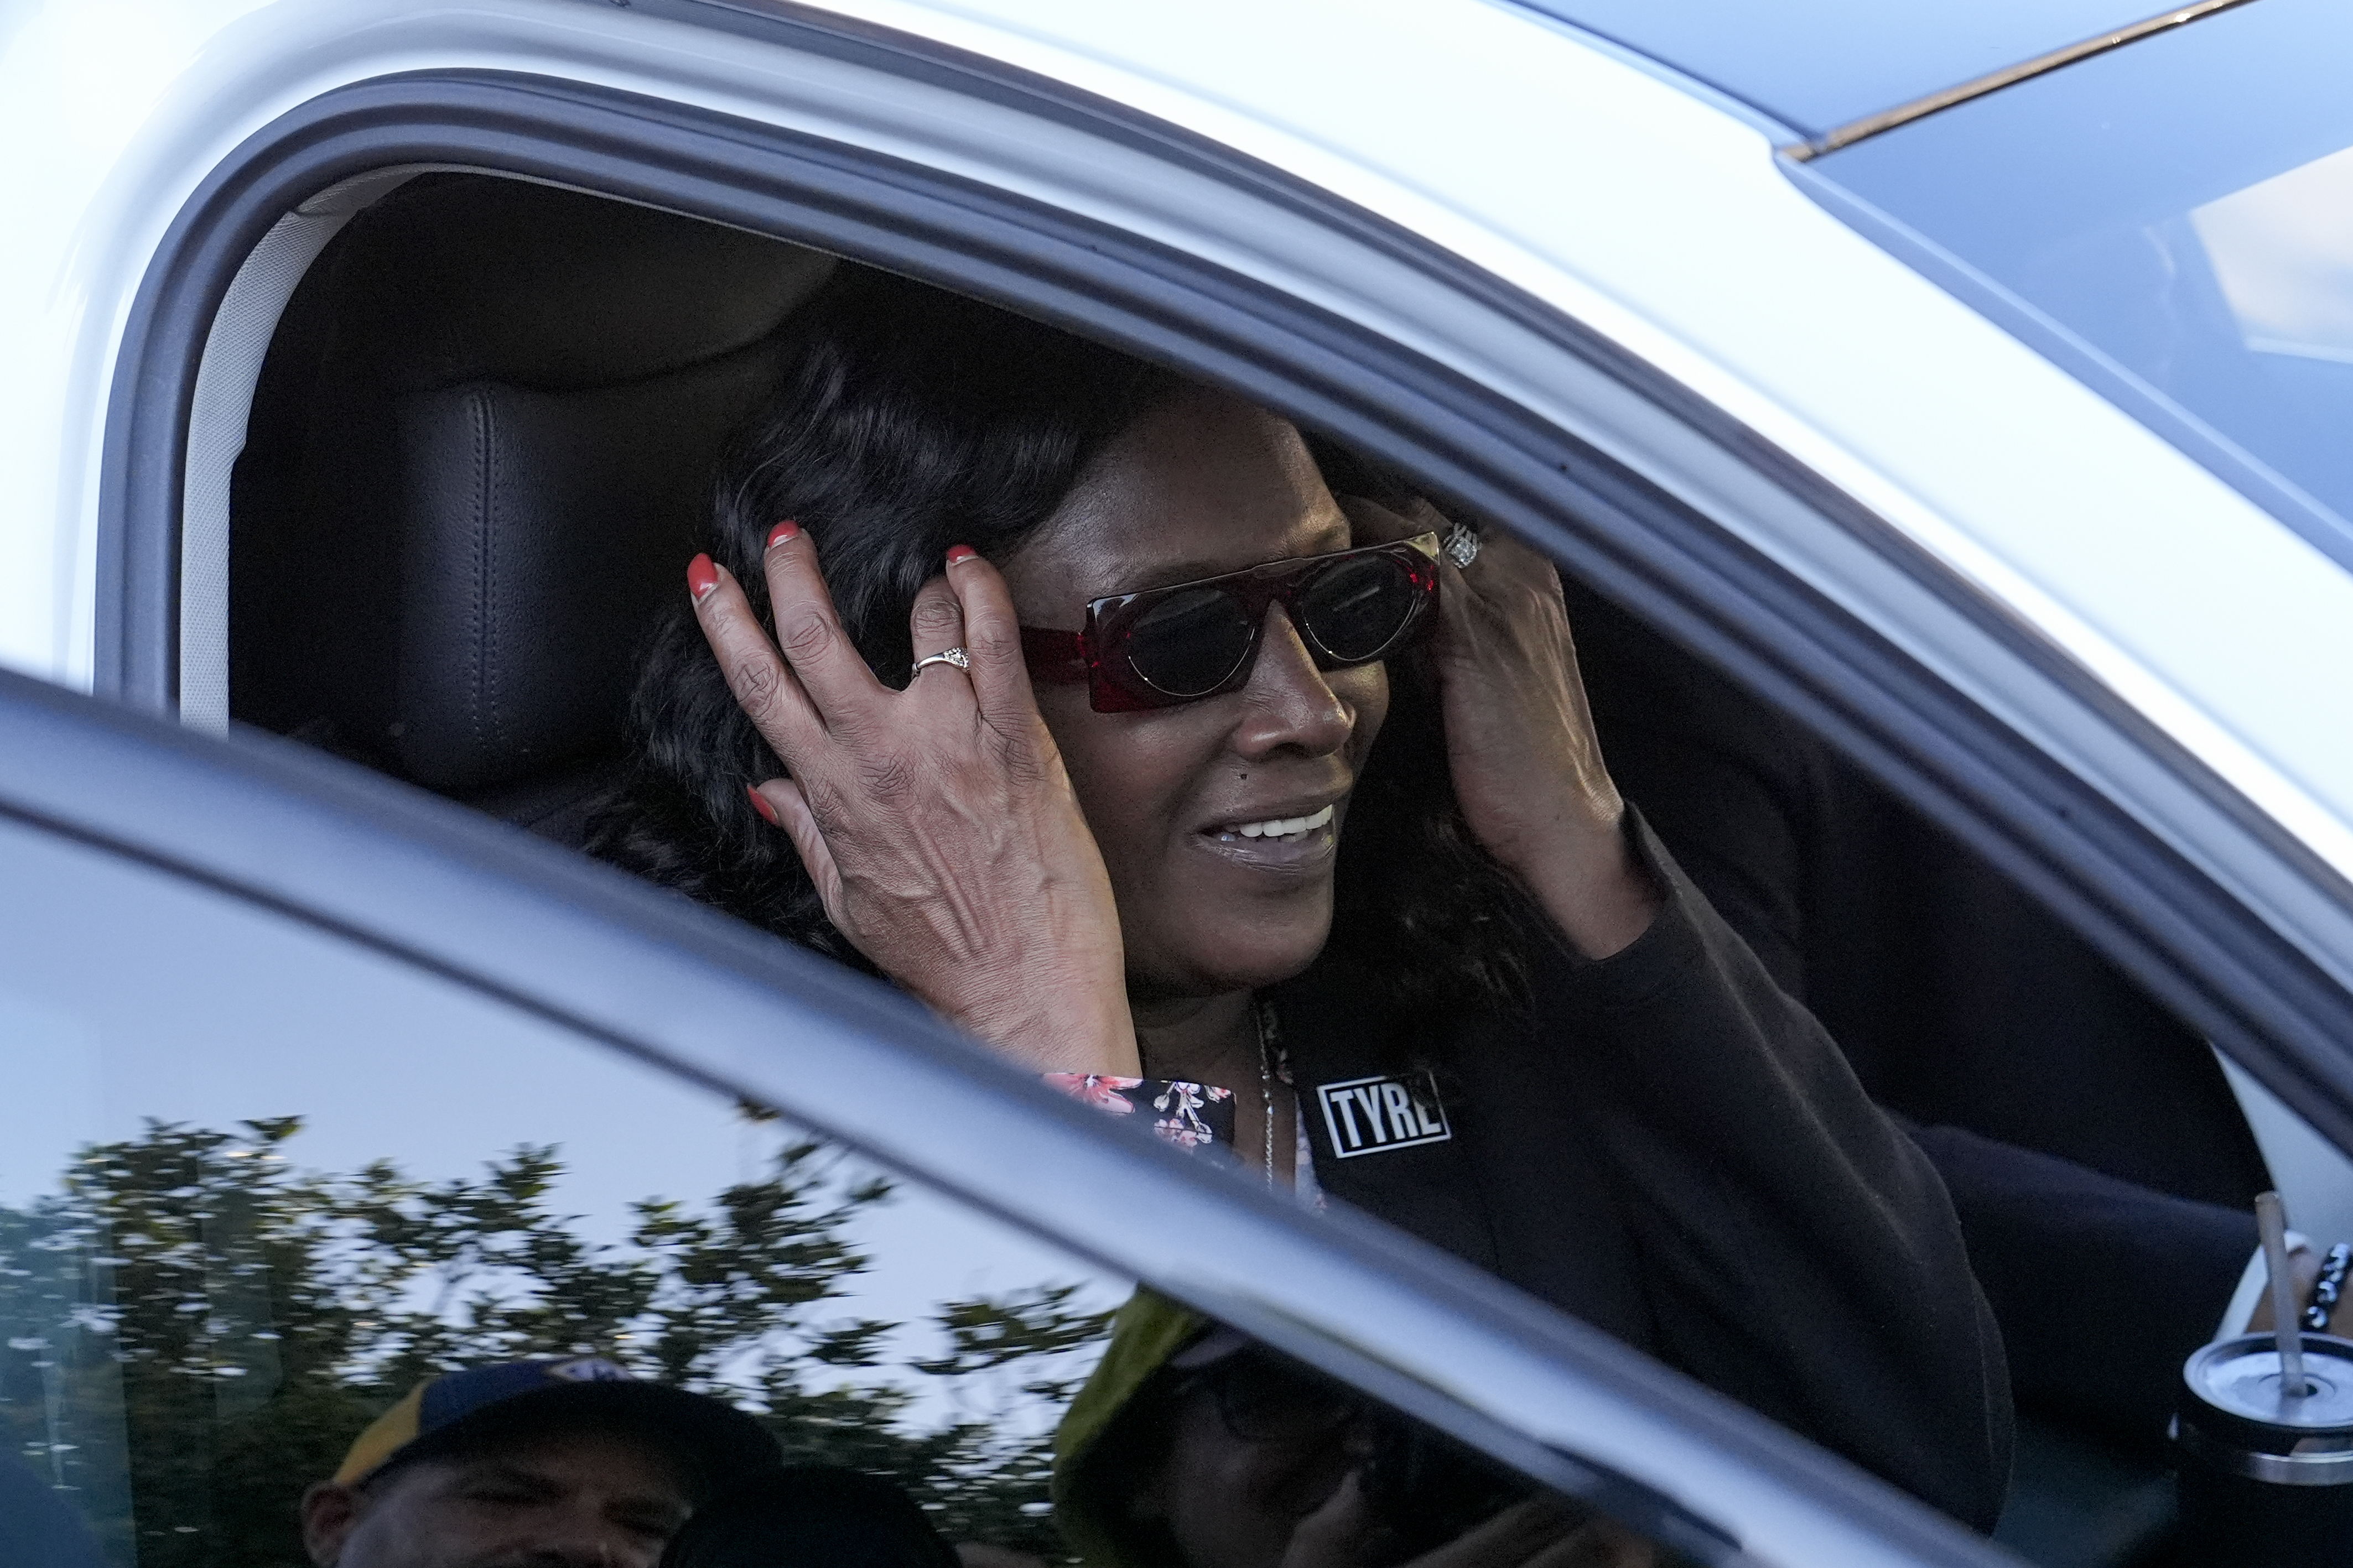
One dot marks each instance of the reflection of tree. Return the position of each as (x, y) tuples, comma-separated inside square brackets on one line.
[(242, 1319)]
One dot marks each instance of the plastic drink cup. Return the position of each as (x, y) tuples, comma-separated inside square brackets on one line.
[(2267, 1472)]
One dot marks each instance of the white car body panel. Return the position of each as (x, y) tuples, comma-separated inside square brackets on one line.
[(1656, 217), (2209, 618)]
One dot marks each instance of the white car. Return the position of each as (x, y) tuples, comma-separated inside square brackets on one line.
[(1966, 382)]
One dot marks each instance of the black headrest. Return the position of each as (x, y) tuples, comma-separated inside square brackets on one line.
[(482, 450), (541, 530), (467, 278)]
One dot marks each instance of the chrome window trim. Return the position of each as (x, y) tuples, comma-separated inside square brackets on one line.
[(1870, 125)]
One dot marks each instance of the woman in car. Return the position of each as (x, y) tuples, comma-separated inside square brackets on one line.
[(1288, 834)]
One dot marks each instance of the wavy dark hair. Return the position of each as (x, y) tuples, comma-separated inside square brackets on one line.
[(907, 419)]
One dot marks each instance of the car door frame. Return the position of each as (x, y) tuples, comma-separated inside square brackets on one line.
[(1979, 722)]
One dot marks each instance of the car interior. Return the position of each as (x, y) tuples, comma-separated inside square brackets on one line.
[(475, 465)]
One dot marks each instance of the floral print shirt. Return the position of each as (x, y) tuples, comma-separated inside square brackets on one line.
[(1196, 1116), (1189, 1115)]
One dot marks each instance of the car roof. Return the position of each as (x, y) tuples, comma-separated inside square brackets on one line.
[(1815, 65)]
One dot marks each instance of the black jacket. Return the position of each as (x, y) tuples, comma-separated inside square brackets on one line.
[(2099, 1163), (1670, 1149)]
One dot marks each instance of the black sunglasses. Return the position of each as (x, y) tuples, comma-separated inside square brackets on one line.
[(1262, 1400), (1190, 640)]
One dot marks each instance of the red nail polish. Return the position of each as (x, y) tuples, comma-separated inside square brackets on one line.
[(782, 532), (960, 553), (701, 576), (760, 803)]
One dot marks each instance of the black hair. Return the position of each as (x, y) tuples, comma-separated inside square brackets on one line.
[(905, 420), (809, 1515)]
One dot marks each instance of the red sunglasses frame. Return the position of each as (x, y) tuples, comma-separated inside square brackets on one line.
[(1094, 654)]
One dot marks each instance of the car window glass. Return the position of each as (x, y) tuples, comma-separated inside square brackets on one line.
[(256, 1183), (2181, 204)]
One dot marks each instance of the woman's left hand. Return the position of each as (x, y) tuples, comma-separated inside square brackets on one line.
[(1519, 735)]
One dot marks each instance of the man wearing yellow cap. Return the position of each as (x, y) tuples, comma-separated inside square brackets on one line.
[(545, 1463)]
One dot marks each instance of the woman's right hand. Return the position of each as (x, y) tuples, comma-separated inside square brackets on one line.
[(937, 823)]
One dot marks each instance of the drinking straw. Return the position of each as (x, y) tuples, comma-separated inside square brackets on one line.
[(2271, 1222)]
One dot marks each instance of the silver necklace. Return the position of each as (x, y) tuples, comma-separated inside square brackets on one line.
[(1265, 1083)]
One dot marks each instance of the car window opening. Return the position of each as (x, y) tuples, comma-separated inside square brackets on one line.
[(482, 451)]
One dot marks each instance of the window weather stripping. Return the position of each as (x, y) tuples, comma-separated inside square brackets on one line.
[(1871, 125)]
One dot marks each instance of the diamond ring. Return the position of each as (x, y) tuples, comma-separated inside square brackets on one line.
[(1460, 544), (955, 655)]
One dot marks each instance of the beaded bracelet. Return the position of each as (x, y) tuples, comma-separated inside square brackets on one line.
[(2327, 1288)]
